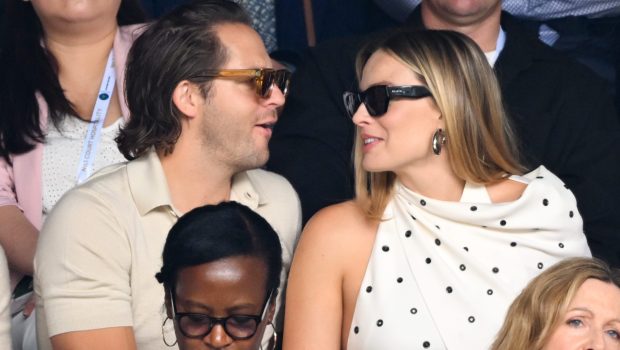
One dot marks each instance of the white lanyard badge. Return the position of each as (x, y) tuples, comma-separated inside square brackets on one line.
[(93, 135)]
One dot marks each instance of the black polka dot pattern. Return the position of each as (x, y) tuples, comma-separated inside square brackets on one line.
[(436, 241), (368, 289), (571, 214), (356, 330)]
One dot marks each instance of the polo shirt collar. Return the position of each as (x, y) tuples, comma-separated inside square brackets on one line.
[(149, 187), (245, 192), (148, 184)]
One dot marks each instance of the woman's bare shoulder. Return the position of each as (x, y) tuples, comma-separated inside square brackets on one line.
[(338, 226), (340, 219)]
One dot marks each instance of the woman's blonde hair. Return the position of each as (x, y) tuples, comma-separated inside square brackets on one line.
[(537, 311), (481, 144)]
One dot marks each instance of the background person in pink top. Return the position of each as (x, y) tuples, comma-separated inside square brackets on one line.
[(54, 57)]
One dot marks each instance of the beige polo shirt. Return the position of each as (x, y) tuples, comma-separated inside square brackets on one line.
[(101, 246)]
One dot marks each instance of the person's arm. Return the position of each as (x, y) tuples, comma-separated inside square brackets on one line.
[(118, 338), (18, 237), (82, 275), (325, 276), (313, 318)]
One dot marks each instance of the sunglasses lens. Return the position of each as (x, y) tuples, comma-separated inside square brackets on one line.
[(283, 78), (266, 83), (351, 102), (268, 78), (376, 100)]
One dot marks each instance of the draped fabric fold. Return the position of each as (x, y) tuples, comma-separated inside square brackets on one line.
[(442, 274)]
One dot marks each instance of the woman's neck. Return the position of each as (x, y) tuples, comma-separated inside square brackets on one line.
[(434, 180), (81, 62), (71, 49)]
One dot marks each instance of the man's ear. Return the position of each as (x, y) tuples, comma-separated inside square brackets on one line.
[(187, 97)]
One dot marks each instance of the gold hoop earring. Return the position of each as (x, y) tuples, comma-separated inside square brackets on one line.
[(163, 334), (439, 139)]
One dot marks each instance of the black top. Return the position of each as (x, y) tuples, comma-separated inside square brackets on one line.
[(562, 113)]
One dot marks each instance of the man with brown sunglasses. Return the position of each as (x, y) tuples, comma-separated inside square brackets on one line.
[(203, 98)]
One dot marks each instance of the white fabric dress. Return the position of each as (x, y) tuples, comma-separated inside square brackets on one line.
[(442, 274)]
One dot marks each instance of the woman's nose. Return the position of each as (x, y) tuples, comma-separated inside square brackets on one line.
[(361, 115), (217, 338)]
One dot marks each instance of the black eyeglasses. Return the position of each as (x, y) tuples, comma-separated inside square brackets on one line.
[(377, 98), (238, 327), (264, 78)]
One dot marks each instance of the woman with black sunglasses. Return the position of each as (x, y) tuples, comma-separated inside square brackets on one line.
[(221, 272), (445, 229)]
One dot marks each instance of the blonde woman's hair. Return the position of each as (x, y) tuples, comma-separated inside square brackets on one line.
[(538, 310), (480, 142)]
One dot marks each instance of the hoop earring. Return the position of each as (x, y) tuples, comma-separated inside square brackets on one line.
[(163, 334), (439, 139), (274, 337)]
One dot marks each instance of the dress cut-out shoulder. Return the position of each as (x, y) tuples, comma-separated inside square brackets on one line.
[(506, 190)]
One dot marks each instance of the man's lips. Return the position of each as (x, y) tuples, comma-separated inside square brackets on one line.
[(266, 128)]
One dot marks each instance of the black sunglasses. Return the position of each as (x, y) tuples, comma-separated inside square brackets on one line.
[(377, 98), (264, 78), (238, 327)]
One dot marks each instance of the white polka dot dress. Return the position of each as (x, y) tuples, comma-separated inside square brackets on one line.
[(61, 155), (442, 274)]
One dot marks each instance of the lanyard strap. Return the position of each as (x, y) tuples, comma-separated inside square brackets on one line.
[(93, 135)]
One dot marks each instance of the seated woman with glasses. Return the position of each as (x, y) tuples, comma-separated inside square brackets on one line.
[(445, 229), (575, 304), (221, 271)]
